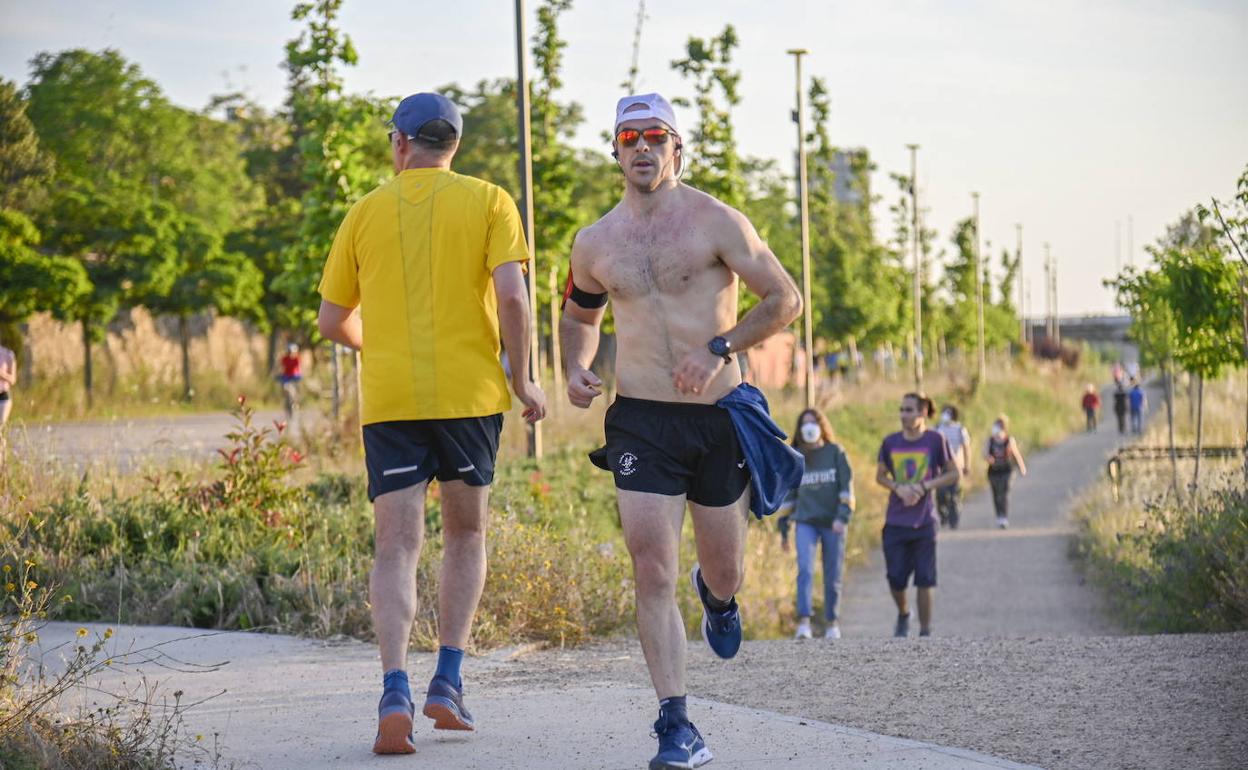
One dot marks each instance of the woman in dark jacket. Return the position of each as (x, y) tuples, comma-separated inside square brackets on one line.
[(820, 510)]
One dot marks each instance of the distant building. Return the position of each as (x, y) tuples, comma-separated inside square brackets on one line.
[(851, 170)]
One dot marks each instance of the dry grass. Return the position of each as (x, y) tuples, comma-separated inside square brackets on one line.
[(1175, 561)]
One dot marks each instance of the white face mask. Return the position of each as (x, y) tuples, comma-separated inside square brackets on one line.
[(998, 429), (946, 417), (811, 432)]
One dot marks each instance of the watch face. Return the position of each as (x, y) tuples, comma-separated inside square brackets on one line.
[(719, 346)]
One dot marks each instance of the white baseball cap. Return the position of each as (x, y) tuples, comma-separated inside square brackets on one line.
[(645, 106)]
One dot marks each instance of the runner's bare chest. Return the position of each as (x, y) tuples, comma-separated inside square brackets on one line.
[(672, 260)]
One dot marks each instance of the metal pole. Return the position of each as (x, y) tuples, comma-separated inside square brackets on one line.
[(1117, 247), (807, 326), (1048, 293), (918, 267), (1130, 240), (1057, 325), (526, 209), (979, 300), (1018, 255)]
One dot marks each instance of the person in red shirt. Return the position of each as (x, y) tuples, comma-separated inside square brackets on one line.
[(291, 374), (1091, 406)]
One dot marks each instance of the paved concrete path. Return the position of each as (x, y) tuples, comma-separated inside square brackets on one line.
[(279, 703), (1014, 582), (129, 444)]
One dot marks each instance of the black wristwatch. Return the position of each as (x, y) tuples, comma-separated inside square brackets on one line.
[(721, 347)]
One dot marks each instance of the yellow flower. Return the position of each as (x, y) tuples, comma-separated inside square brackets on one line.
[(31, 585), (8, 568), (10, 587), (82, 632), (108, 633)]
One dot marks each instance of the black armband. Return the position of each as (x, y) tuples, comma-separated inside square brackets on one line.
[(586, 299)]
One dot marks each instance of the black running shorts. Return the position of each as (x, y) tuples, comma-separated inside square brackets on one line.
[(403, 453), (675, 449)]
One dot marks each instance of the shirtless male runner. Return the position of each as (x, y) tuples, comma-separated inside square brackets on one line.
[(668, 257)]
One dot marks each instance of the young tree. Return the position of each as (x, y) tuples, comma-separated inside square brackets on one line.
[(340, 142), (1201, 287), (1142, 295), (710, 155)]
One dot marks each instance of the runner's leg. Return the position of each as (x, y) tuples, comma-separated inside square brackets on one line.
[(462, 577), (400, 523), (720, 533), (652, 525)]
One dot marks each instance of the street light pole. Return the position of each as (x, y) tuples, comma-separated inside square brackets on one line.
[(525, 170), (1018, 270), (979, 300), (808, 330), (1048, 293), (918, 267)]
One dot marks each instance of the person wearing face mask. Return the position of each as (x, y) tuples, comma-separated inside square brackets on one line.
[(819, 509), (1002, 454), (949, 499)]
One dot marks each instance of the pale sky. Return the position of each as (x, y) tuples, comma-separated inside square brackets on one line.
[(1066, 116)]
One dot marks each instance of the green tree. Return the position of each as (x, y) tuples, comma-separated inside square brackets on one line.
[(1142, 295), (272, 164), (33, 281), (24, 166), (710, 154), (1201, 286), (556, 214), (113, 200), (339, 139)]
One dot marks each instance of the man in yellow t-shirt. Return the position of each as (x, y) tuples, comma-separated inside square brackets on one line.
[(434, 262)]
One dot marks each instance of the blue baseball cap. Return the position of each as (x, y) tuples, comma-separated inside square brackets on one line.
[(418, 109)]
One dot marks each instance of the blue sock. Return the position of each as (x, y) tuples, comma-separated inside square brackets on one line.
[(449, 661), (396, 680), (673, 710)]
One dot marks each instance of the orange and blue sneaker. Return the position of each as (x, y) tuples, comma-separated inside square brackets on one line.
[(444, 704), (721, 627), (395, 714), (680, 745)]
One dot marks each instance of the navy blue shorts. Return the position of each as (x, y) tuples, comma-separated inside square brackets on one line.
[(404, 453), (909, 551)]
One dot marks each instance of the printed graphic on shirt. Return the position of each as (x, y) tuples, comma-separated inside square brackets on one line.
[(909, 466), (819, 477)]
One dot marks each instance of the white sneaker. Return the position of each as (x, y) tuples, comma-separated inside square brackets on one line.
[(1002, 522), (832, 632), (803, 630)]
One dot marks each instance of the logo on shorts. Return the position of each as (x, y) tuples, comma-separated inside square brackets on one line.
[(628, 464)]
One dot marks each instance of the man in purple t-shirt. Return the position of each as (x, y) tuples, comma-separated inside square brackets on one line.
[(913, 463)]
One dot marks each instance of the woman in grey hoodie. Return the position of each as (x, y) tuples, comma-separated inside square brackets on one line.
[(819, 509)]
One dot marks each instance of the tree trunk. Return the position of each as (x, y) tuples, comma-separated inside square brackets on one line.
[(184, 339), (270, 363), (1168, 380), (87, 380), (1243, 307), (1200, 425)]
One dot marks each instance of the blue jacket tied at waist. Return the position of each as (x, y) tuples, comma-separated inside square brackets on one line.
[(775, 467)]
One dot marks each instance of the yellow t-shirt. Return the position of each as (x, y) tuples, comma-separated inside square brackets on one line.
[(417, 255)]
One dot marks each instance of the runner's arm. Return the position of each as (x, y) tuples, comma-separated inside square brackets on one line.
[(340, 324), (743, 251), (579, 329)]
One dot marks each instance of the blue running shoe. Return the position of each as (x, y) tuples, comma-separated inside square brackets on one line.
[(394, 724), (720, 628), (680, 746), (444, 704)]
